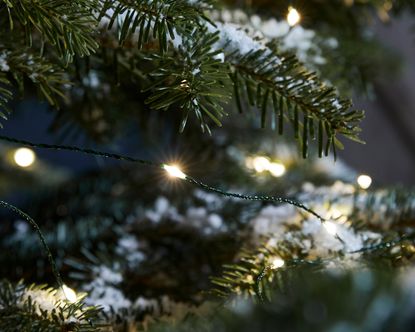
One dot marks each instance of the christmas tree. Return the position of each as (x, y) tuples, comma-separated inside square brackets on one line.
[(177, 168)]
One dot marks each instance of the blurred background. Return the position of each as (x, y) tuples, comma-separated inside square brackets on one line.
[(389, 126)]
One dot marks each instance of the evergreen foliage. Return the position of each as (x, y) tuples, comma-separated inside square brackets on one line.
[(41, 308), (194, 76), (159, 255)]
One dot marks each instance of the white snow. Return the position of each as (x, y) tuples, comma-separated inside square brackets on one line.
[(4, 66), (108, 297), (162, 209), (233, 38), (102, 290), (128, 247)]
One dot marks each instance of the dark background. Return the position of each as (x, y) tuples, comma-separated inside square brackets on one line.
[(389, 126)]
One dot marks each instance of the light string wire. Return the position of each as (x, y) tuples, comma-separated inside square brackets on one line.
[(42, 239), (187, 178)]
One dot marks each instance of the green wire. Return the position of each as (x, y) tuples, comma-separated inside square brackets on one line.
[(187, 178), (41, 237)]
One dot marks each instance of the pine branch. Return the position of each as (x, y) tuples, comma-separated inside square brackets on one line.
[(67, 25), (194, 80), (194, 76), (291, 89), (245, 276), (146, 20), (44, 309), (20, 66), (6, 94)]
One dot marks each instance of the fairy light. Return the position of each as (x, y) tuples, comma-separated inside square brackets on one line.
[(293, 16), (276, 169), (24, 157), (364, 181), (330, 227), (69, 293), (261, 164), (277, 263), (174, 171), (171, 169)]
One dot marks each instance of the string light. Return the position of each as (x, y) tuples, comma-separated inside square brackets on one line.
[(293, 16), (276, 169), (24, 157), (261, 164), (249, 278), (330, 227), (69, 293), (171, 169), (174, 171), (277, 263), (364, 181)]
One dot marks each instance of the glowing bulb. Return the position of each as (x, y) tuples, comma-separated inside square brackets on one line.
[(174, 171), (276, 169), (293, 16), (69, 293), (261, 164), (364, 181), (24, 157), (277, 263), (330, 227)]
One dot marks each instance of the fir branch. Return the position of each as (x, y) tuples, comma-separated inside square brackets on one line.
[(193, 79), (67, 25), (6, 94), (21, 65), (289, 88), (147, 19), (254, 270), (270, 78), (43, 309)]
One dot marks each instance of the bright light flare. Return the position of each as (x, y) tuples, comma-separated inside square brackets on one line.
[(277, 263), (69, 293), (276, 169), (330, 227), (293, 16), (174, 171), (24, 157), (261, 164), (364, 181)]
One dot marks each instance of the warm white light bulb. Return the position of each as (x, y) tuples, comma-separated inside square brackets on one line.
[(364, 181), (174, 171), (69, 293), (330, 227), (277, 263), (276, 169), (293, 16), (260, 164), (24, 157)]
